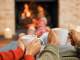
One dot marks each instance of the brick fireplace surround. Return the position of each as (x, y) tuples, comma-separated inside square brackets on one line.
[(69, 13)]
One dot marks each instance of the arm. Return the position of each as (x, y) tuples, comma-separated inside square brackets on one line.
[(11, 54), (31, 50)]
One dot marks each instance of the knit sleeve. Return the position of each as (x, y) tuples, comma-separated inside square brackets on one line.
[(11, 54), (29, 57)]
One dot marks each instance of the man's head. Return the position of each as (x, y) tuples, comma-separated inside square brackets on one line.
[(74, 37)]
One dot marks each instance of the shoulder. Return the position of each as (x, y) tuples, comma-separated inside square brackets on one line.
[(50, 53)]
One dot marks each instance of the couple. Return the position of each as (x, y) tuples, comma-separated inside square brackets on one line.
[(50, 52), (29, 51)]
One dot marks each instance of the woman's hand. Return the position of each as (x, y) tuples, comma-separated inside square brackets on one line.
[(33, 48), (21, 45)]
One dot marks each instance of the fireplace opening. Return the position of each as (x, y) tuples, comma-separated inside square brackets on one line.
[(51, 8)]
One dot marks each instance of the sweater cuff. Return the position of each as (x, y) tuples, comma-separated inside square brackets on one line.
[(29, 57)]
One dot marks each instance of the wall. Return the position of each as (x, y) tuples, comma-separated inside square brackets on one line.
[(7, 15), (69, 12)]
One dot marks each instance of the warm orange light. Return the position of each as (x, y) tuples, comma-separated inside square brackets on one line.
[(28, 14)]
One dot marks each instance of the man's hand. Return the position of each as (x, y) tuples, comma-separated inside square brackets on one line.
[(52, 38)]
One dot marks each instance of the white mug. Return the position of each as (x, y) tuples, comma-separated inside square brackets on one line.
[(62, 34)]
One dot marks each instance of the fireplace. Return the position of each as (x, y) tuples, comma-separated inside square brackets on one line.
[(51, 7)]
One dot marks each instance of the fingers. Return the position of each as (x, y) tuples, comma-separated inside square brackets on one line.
[(34, 44), (21, 45), (33, 48), (52, 38)]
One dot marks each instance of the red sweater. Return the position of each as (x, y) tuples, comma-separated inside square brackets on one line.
[(14, 55)]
